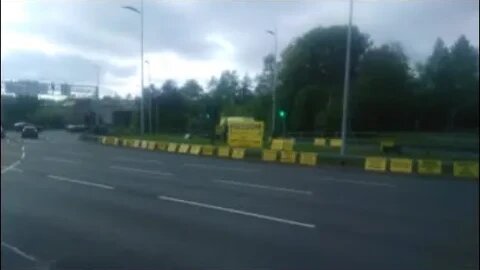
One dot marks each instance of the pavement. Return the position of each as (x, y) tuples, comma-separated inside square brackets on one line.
[(70, 204)]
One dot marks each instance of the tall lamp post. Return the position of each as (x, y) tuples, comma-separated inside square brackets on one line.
[(142, 116), (274, 84), (151, 99), (346, 83)]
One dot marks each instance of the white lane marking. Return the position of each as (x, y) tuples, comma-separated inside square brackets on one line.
[(56, 159), (205, 166), (138, 160), (305, 192), (19, 252), (15, 169), (23, 151), (140, 170), (77, 154), (239, 212), (10, 167), (358, 182), (61, 178)]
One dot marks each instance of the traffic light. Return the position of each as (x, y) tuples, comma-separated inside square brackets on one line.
[(282, 113)]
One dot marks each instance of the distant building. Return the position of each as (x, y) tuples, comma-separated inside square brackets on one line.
[(26, 87)]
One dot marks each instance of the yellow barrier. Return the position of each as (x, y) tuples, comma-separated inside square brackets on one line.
[(277, 144), (238, 153), (335, 142), (207, 150), (320, 142), (378, 164), (172, 147), (288, 144), (136, 143), (151, 145), (401, 165), (195, 149), (386, 143), (465, 169), (426, 166), (101, 139), (269, 155), (144, 144), (183, 149), (308, 158), (288, 156), (223, 151), (162, 146)]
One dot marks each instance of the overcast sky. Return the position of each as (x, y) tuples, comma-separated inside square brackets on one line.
[(65, 40)]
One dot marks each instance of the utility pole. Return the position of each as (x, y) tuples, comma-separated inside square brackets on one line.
[(346, 84), (274, 84), (151, 98)]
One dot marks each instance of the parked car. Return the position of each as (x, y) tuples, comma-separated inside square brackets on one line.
[(19, 126), (30, 132)]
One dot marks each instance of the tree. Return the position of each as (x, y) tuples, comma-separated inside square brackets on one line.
[(191, 90), (312, 71), (245, 90), (382, 98), (169, 86)]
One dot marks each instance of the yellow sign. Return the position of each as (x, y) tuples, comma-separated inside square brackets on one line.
[(172, 147), (144, 144), (269, 155), (151, 145), (308, 158), (378, 164), (401, 165), (335, 142), (426, 166), (288, 156), (245, 134), (277, 144), (320, 142), (195, 149), (238, 153), (465, 169), (207, 150), (223, 151), (183, 148), (162, 146)]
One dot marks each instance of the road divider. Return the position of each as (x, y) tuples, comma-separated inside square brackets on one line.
[(207, 150), (151, 145), (288, 157), (320, 141), (223, 151), (401, 165), (429, 166), (309, 159), (161, 146), (195, 149), (183, 149), (465, 169), (269, 155), (172, 147), (378, 164), (238, 153)]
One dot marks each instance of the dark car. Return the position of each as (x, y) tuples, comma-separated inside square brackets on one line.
[(20, 125), (30, 132)]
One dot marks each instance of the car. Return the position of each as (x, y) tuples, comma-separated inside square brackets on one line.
[(30, 132), (20, 125)]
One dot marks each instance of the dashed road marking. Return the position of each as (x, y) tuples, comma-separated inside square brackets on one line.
[(272, 188), (63, 160), (86, 183), (239, 212), (129, 169)]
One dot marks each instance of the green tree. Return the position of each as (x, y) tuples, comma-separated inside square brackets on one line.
[(191, 89)]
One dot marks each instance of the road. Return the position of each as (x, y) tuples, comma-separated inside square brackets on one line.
[(71, 204)]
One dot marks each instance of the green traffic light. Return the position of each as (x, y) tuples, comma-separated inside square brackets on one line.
[(282, 113)]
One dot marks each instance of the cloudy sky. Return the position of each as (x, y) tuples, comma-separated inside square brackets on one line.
[(66, 40)]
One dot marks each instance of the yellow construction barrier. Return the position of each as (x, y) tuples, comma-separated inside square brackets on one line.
[(320, 142), (172, 147), (162, 146), (151, 145), (378, 164), (288, 144), (136, 143), (288, 156), (144, 144), (386, 143), (269, 155), (195, 149), (335, 142), (207, 150), (223, 151), (183, 149), (238, 153), (401, 165), (277, 144), (307, 158), (426, 166), (465, 169)]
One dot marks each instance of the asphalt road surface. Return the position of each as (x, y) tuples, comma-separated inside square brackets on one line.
[(69, 204)]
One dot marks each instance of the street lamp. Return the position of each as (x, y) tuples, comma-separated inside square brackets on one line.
[(140, 12), (346, 84), (274, 85), (151, 98)]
